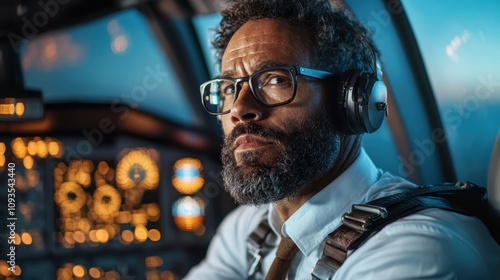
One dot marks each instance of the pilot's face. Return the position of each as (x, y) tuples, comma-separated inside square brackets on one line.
[(255, 46), (271, 153)]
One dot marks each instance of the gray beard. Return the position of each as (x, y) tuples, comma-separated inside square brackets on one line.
[(304, 155)]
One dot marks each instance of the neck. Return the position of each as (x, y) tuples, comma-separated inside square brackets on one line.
[(349, 151)]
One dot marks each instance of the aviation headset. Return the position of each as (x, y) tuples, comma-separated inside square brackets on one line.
[(361, 99)]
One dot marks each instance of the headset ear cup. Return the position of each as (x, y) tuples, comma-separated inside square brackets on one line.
[(361, 97), (352, 96), (376, 107), (346, 110)]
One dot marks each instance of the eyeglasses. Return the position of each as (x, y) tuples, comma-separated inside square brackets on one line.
[(271, 87)]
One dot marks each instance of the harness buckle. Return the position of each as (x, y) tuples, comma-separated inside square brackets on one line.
[(362, 216)]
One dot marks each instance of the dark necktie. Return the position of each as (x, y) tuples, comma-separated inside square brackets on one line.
[(284, 255)]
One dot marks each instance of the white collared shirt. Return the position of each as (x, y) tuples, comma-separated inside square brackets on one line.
[(431, 244)]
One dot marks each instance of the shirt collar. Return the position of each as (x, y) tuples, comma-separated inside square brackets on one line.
[(320, 215)]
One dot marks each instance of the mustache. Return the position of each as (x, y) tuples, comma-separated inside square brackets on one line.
[(271, 134)]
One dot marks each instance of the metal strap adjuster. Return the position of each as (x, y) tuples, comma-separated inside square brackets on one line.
[(362, 216), (259, 244)]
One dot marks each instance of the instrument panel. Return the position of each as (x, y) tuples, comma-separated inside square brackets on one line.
[(127, 207)]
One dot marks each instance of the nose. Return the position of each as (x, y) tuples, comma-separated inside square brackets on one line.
[(246, 108)]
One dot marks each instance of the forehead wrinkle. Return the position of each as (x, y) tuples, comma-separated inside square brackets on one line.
[(261, 43), (256, 66), (243, 53), (253, 53)]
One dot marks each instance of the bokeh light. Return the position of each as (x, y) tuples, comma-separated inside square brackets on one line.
[(107, 202), (141, 233), (137, 169), (79, 270), (187, 177), (188, 213)]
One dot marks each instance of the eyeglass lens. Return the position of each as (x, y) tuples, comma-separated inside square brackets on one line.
[(270, 87)]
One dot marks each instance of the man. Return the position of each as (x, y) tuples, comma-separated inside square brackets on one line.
[(288, 160)]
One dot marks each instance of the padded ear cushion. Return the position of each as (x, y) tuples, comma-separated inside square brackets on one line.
[(376, 108), (362, 101)]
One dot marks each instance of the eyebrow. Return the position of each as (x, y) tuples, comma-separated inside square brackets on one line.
[(260, 66)]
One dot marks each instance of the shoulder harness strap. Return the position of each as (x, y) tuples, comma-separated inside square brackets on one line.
[(259, 244), (365, 220)]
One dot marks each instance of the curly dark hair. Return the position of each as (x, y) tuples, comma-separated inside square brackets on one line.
[(340, 41)]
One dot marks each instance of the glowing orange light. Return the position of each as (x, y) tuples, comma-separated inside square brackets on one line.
[(79, 270), (2, 148), (152, 211), (2, 160), (188, 223), (26, 238), (112, 275), (95, 272), (17, 271), (70, 224), (107, 202), (93, 236), (87, 166), (188, 187), (84, 225), (111, 230), (53, 148), (4, 268), (137, 169), (103, 167), (188, 213), (127, 236), (31, 148), (18, 147), (41, 149), (79, 237), (65, 272), (102, 235), (141, 233), (154, 261), (28, 162), (70, 197), (154, 235), (187, 177), (183, 162), (139, 218), (83, 178), (7, 109), (68, 237), (124, 217), (20, 108)]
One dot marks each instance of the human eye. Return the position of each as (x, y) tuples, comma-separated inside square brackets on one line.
[(227, 87), (275, 78)]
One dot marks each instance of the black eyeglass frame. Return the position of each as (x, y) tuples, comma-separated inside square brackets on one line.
[(294, 70)]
